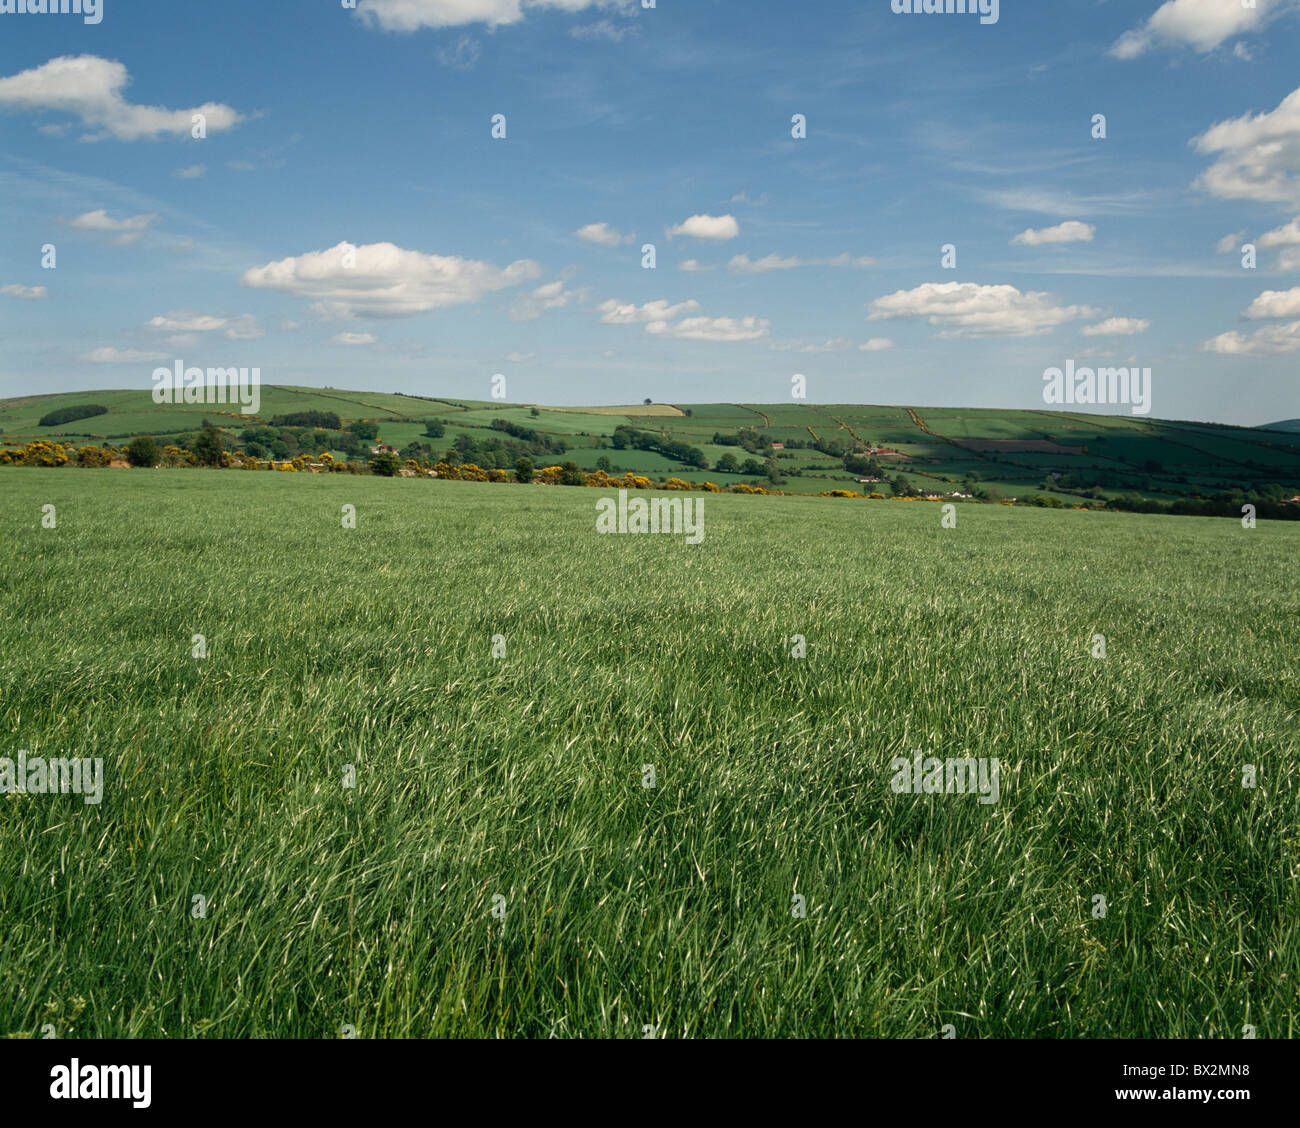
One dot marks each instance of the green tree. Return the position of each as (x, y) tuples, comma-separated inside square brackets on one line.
[(603, 463), (727, 464), (364, 429), (143, 451), (573, 475), (386, 464), (524, 470), (208, 446), (434, 428)]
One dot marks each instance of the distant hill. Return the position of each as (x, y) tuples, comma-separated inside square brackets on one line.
[(1017, 453), (1285, 425)]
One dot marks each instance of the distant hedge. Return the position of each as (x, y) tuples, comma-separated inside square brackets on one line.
[(72, 414), (325, 419)]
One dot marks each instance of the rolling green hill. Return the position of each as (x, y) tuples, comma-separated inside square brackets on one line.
[(937, 449)]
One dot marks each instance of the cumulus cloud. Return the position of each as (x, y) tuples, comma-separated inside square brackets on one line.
[(625, 313), (1230, 243), (110, 355), (354, 339), (386, 280), (693, 266), (412, 15), (1258, 155), (1072, 231), (603, 234), (91, 89), (192, 172), (242, 328), (877, 344), (743, 264), (716, 228), (1117, 327), (28, 293), (1271, 340), (1274, 304), (665, 319), (123, 231), (967, 309), (1199, 24), (712, 328), (1288, 235)]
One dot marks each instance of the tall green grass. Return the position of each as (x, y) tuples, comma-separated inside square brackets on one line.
[(521, 777)]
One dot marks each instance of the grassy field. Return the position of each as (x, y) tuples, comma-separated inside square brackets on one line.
[(521, 777)]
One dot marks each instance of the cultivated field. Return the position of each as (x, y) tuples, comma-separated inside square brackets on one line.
[(522, 777)]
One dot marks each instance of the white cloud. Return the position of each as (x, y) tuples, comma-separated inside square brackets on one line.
[(1270, 341), (1199, 24), (520, 358), (743, 264), (966, 309), (91, 89), (1259, 156), (412, 15), (110, 355), (603, 234), (461, 55), (713, 227), (1289, 259), (354, 339), (1117, 327), (193, 172), (1288, 235), (552, 295), (30, 293), (386, 281), (877, 344), (242, 328), (603, 29), (1072, 231), (623, 313), (661, 318), (724, 329), (693, 266), (1274, 304), (836, 344), (125, 231), (1229, 243)]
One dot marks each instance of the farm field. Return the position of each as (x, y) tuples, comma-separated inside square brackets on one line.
[(516, 783), (938, 449)]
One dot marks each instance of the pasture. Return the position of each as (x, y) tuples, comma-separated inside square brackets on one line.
[(500, 867)]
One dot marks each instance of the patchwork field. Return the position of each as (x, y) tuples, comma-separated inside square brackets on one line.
[(1020, 453), (500, 867)]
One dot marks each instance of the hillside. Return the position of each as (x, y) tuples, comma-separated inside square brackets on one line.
[(1015, 453)]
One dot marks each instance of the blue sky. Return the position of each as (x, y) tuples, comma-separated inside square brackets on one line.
[(672, 126)]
